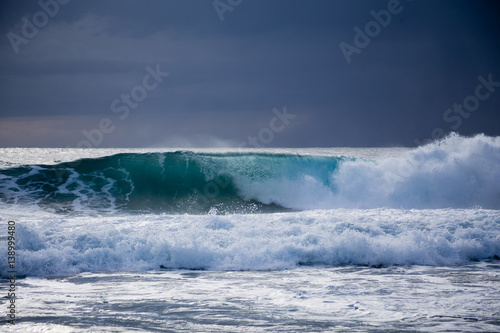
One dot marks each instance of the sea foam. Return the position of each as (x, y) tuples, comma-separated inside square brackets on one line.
[(454, 172), (50, 245)]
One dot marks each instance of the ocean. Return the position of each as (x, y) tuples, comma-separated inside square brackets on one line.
[(252, 240)]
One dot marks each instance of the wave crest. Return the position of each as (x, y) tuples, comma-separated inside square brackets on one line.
[(456, 172)]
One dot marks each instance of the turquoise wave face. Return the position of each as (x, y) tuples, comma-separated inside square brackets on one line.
[(179, 182), (456, 172)]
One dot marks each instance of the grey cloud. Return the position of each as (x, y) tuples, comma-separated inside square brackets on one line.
[(227, 76)]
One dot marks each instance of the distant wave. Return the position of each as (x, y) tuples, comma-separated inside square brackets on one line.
[(456, 172)]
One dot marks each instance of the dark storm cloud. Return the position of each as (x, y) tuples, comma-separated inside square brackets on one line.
[(227, 76)]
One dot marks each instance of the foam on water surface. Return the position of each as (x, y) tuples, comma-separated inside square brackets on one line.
[(51, 245), (306, 299)]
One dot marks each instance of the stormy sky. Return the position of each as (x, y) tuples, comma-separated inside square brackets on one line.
[(289, 73)]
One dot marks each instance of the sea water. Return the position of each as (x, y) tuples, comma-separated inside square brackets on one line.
[(237, 240)]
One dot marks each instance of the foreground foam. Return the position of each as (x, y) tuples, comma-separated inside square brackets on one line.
[(49, 245)]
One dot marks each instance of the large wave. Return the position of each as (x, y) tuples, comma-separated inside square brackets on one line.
[(458, 172), (455, 172)]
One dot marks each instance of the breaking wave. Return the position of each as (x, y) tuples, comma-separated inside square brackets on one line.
[(456, 172)]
